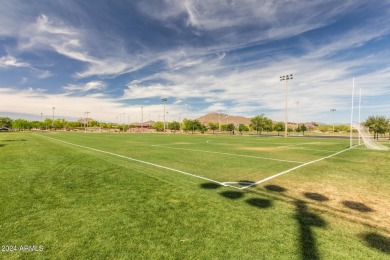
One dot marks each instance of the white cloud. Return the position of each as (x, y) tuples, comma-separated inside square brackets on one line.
[(9, 61), (92, 85)]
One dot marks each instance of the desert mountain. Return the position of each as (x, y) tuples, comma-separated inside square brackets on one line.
[(223, 118)]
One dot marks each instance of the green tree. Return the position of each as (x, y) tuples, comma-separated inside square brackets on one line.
[(377, 124), (5, 122), (242, 128), (230, 127), (279, 127), (302, 128), (213, 126), (261, 123), (21, 124), (193, 125), (174, 126), (159, 126)]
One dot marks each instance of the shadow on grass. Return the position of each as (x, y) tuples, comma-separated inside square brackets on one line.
[(1, 145), (275, 188), (306, 221), (357, 206), (378, 242), (315, 196), (232, 194), (259, 203), (15, 140), (210, 185)]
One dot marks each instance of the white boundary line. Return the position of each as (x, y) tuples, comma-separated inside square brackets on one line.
[(140, 161), (292, 169), (233, 154)]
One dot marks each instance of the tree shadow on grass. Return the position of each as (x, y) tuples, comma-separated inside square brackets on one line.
[(306, 221), (15, 140), (315, 196), (275, 188), (357, 206), (246, 183), (232, 194), (210, 186), (1, 145), (259, 203), (378, 242)]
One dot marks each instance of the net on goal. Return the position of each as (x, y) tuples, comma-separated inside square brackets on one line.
[(368, 140)]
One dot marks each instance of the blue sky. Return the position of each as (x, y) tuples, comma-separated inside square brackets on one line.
[(112, 57)]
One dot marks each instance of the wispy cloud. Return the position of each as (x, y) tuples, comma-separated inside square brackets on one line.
[(9, 61), (93, 85)]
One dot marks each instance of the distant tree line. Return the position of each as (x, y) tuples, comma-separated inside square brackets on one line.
[(378, 125)]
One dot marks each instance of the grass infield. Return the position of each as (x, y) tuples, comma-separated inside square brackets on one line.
[(119, 196)]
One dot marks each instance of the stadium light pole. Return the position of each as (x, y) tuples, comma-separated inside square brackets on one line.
[(86, 121), (164, 100), (41, 117), (142, 117), (52, 123), (333, 110), (122, 119), (286, 78)]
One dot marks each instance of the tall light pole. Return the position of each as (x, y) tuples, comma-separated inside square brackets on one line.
[(86, 121), (41, 117), (297, 102), (122, 120), (333, 110), (52, 123), (142, 117), (164, 100), (286, 78)]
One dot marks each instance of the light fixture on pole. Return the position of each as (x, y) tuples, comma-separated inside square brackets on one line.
[(164, 100), (286, 78), (333, 110)]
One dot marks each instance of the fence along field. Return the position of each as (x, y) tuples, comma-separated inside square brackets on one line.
[(335, 207)]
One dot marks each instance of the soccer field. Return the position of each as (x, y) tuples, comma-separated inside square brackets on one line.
[(99, 195)]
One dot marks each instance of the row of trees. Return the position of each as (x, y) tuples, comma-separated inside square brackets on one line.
[(378, 125)]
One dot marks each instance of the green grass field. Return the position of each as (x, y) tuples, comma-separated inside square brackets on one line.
[(147, 196)]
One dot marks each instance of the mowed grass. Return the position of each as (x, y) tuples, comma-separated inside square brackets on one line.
[(83, 204)]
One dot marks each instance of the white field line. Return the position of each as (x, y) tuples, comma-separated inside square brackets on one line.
[(292, 169), (144, 162), (232, 154)]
